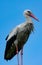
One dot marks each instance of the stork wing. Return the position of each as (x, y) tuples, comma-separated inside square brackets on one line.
[(10, 49)]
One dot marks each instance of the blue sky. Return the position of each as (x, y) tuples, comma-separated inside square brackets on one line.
[(11, 14)]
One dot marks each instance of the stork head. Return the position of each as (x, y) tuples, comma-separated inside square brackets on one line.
[(28, 13)]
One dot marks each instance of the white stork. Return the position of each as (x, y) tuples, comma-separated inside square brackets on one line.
[(18, 37)]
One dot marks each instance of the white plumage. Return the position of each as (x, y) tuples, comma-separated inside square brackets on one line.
[(19, 36)]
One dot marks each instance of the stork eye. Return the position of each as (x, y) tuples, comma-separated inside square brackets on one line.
[(29, 12)]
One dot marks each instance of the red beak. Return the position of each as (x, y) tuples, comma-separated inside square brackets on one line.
[(31, 15)]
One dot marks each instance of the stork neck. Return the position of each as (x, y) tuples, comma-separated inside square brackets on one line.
[(29, 20)]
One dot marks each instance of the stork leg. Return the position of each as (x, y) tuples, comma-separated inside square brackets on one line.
[(17, 54), (22, 56)]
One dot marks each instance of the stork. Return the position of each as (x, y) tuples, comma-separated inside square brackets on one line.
[(17, 38)]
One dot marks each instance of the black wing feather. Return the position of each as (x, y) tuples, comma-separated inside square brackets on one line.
[(9, 53), (7, 37)]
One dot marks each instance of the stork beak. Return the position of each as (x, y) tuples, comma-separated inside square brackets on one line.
[(31, 15)]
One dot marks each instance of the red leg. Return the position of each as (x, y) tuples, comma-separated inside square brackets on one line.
[(17, 54), (22, 56)]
